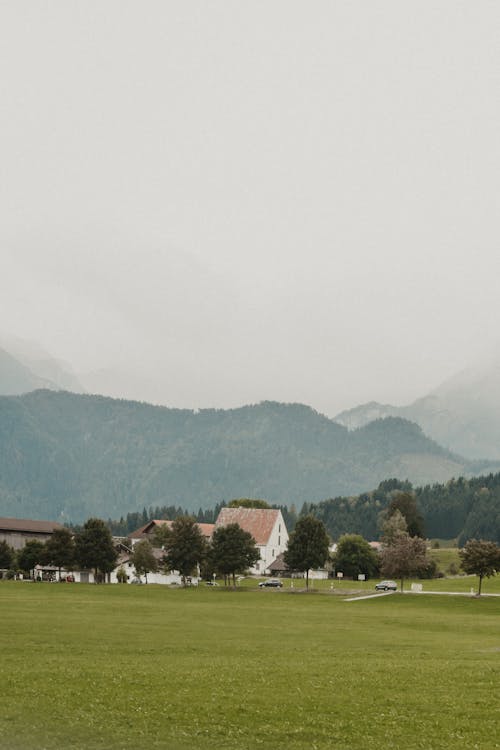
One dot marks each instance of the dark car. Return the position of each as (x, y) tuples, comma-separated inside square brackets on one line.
[(272, 583), (387, 586)]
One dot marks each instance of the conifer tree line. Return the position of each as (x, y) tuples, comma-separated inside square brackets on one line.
[(459, 509)]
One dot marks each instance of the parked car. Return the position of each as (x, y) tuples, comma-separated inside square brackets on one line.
[(387, 586), (211, 583), (274, 583)]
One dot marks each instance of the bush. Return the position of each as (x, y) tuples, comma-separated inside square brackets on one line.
[(431, 571), (453, 569)]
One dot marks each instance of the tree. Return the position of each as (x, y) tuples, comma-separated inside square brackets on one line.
[(394, 527), (143, 559), (354, 556), (33, 553), (94, 548), (308, 546), (481, 558), (405, 557), (7, 556), (232, 551), (244, 502), (406, 503), (60, 550), (185, 546)]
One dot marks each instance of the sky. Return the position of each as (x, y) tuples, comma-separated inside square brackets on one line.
[(219, 203)]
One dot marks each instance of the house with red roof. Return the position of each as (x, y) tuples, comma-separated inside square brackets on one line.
[(147, 531), (267, 528)]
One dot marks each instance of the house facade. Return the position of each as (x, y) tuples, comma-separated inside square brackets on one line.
[(267, 528), (17, 531)]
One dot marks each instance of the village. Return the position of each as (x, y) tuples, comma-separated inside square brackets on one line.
[(266, 527)]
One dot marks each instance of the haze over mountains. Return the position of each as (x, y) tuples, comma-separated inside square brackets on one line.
[(25, 366), (462, 414), (69, 456)]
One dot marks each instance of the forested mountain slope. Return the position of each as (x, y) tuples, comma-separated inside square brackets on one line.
[(69, 456), (458, 509)]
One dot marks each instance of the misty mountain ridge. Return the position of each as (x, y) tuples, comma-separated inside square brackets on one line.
[(462, 414), (25, 367), (68, 456)]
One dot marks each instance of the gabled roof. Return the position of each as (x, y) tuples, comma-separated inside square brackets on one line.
[(258, 521), (279, 565), (206, 529), (26, 525), (148, 528)]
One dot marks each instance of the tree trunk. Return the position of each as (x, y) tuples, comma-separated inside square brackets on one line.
[(480, 584), (307, 579), (402, 582)]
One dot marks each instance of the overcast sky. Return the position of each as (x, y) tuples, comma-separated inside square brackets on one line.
[(237, 201)]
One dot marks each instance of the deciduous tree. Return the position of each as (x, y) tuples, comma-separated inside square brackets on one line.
[(232, 551), (185, 546), (480, 558), (7, 556), (60, 550), (244, 502), (406, 504), (394, 527), (354, 556), (143, 559), (308, 546), (31, 554), (94, 548), (405, 557)]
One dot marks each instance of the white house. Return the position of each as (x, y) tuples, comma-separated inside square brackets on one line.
[(267, 528)]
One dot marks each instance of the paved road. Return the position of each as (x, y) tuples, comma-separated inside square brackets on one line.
[(417, 593)]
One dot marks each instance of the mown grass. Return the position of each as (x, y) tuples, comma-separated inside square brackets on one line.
[(121, 667)]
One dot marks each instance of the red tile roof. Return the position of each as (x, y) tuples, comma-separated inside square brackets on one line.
[(207, 529), (149, 527), (258, 521), (27, 526)]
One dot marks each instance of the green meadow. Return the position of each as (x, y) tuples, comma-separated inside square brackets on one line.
[(121, 667)]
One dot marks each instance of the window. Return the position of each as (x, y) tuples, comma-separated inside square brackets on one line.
[(279, 541)]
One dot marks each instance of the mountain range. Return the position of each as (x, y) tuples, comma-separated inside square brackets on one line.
[(462, 414), (68, 456), (24, 367)]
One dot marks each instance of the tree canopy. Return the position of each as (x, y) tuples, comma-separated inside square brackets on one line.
[(232, 551), (60, 550), (405, 557), (481, 558), (406, 504), (308, 546), (94, 548), (185, 546), (354, 556), (244, 502), (32, 554), (143, 558), (7, 555)]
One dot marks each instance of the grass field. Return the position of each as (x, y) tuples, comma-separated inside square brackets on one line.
[(122, 667)]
